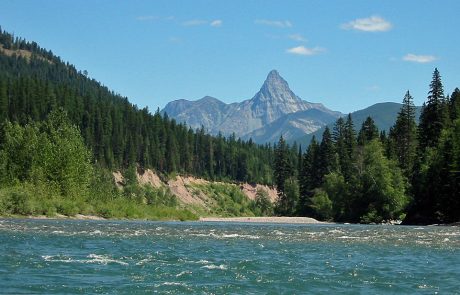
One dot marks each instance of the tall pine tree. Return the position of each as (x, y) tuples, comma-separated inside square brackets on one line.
[(309, 178), (282, 169), (404, 135), (327, 155), (368, 131), (433, 117)]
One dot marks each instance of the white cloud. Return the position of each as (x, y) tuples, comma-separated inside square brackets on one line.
[(419, 58), (370, 24), (153, 18), (201, 22), (146, 17), (194, 22), (297, 37), (216, 23), (274, 23), (302, 50)]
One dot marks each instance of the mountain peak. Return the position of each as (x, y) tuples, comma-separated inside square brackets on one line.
[(275, 88), (273, 74), (274, 79)]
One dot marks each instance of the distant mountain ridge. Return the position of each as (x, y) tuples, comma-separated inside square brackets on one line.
[(292, 126), (384, 115), (271, 112)]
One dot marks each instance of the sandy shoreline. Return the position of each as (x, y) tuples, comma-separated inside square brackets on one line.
[(296, 220), (292, 220), (60, 216)]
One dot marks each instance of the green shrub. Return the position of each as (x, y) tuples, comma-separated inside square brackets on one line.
[(20, 203), (321, 205), (68, 208), (262, 203)]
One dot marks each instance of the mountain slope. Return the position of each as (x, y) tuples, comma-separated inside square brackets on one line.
[(272, 102), (292, 125), (205, 112), (384, 115)]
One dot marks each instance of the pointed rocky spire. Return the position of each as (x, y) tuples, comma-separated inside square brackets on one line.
[(275, 88)]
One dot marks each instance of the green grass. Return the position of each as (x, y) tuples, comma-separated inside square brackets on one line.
[(137, 203)]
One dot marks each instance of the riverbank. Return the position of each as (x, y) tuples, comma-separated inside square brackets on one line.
[(61, 216), (265, 219), (295, 220)]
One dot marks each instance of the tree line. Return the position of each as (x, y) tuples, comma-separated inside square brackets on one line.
[(410, 174)]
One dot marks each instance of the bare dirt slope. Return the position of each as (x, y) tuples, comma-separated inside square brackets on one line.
[(183, 187)]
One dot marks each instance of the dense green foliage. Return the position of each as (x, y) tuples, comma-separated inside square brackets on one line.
[(51, 153), (227, 200), (118, 133), (46, 169), (370, 177), (436, 172)]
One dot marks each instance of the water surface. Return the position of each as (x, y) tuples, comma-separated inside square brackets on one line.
[(102, 257)]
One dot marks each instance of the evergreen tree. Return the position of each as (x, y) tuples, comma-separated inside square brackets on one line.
[(350, 147), (327, 156), (309, 178), (299, 162), (455, 105), (368, 131), (282, 171), (404, 135), (433, 177), (338, 137), (437, 198), (433, 117)]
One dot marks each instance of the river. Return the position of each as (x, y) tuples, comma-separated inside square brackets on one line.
[(135, 257)]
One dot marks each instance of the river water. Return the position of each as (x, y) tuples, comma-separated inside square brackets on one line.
[(128, 257)]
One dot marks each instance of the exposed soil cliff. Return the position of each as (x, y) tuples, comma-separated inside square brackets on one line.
[(186, 188)]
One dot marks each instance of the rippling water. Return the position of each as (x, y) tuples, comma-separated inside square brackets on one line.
[(64, 256)]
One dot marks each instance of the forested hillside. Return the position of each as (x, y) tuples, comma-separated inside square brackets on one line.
[(62, 135), (410, 174), (33, 82)]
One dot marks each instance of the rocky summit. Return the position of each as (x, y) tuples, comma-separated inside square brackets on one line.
[(274, 110)]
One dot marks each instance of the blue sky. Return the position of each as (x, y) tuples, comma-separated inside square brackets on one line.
[(344, 54)]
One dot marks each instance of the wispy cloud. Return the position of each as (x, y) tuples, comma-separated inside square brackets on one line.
[(302, 50), (216, 23), (195, 22), (201, 22), (274, 23), (297, 37), (419, 58), (153, 18), (370, 24), (146, 17)]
